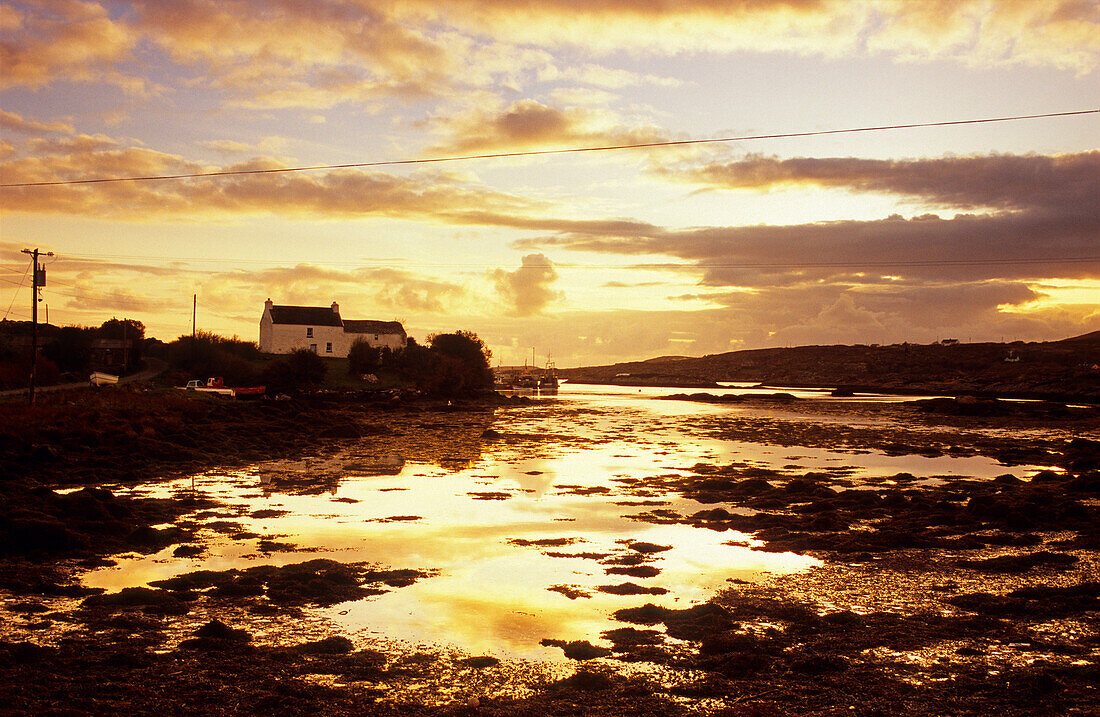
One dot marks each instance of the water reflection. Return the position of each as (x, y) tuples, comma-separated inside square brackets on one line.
[(531, 538), (385, 465)]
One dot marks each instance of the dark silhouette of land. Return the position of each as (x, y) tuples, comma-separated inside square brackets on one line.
[(1066, 369)]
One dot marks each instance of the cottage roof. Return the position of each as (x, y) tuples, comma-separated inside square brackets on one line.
[(305, 315), (367, 326)]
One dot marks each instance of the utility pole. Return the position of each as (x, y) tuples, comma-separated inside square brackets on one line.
[(194, 312), (38, 281)]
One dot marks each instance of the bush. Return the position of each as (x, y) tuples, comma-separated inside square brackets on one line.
[(301, 370), (363, 358), (208, 355)]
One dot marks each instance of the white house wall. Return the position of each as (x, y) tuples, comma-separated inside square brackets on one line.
[(284, 338), (395, 342), (289, 337)]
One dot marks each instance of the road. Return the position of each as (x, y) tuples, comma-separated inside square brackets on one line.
[(153, 367)]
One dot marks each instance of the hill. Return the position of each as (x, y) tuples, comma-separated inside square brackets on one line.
[(1057, 369)]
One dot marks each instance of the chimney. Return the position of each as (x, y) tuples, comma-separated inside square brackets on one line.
[(268, 305), (335, 308)]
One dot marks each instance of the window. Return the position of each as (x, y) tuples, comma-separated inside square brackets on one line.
[(309, 333), (328, 347), (313, 348)]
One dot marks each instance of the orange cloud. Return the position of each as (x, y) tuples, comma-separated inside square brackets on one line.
[(527, 288), (68, 39), (82, 143), (528, 124), (15, 123), (391, 290), (1063, 33), (438, 196), (283, 53)]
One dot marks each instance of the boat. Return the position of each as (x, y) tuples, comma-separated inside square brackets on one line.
[(526, 378), (548, 379), (249, 391), (99, 378)]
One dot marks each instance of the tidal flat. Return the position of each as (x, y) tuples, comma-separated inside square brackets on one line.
[(603, 549)]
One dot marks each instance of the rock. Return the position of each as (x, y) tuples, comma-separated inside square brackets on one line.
[(643, 547), (218, 630), (587, 681), (335, 645), (577, 650)]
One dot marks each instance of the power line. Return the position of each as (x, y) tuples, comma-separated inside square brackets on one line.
[(16, 293), (667, 265), (541, 152)]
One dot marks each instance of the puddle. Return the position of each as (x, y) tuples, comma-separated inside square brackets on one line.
[(535, 538)]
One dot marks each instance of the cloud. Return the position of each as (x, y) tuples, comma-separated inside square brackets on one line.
[(810, 314), (285, 53), (1004, 182), (70, 39), (233, 147), (323, 33), (529, 124), (324, 194), (893, 279), (118, 302), (1043, 220), (288, 53), (227, 146), (1060, 33), (611, 78), (386, 289), (82, 143), (967, 246), (590, 337), (15, 123), (528, 287), (630, 285)]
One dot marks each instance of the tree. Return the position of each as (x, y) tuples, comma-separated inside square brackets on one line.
[(72, 349), (462, 364), (126, 329)]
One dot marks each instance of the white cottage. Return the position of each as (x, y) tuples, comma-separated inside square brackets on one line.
[(321, 330)]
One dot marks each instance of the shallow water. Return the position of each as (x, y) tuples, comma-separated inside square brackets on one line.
[(520, 541)]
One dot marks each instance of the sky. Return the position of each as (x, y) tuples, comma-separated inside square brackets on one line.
[(980, 232)]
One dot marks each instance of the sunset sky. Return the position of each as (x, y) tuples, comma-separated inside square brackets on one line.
[(977, 232)]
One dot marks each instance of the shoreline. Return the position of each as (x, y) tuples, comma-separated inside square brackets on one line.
[(946, 390)]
